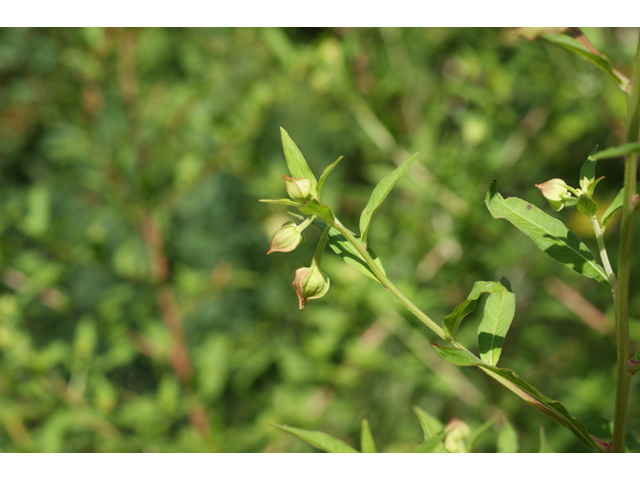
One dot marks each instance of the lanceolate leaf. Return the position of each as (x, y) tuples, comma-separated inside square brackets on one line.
[(548, 233), (379, 194), (431, 445), (614, 207), (589, 167), (478, 433), (431, 427), (596, 59), (618, 151), (507, 439), (313, 207), (318, 439), (281, 201), (452, 321), (368, 445), (350, 255), (551, 408), (498, 315), (324, 176), (295, 161)]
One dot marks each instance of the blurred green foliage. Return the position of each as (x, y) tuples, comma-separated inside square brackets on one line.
[(138, 310)]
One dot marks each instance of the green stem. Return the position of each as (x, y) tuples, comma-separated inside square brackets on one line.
[(621, 295), (603, 251)]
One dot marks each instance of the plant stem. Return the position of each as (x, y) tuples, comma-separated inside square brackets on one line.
[(621, 295), (603, 251)]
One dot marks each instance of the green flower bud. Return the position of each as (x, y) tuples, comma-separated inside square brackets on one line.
[(556, 192), (310, 283), (457, 433), (299, 189), (287, 238)]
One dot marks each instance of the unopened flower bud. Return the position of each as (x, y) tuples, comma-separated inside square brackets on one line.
[(287, 238), (457, 433), (298, 189), (556, 192), (310, 283)]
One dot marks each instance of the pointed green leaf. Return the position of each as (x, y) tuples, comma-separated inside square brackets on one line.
[(614, 207), (431, 427), (618, 151), (432, 445), (281, 201), (295, 161), (478, 433), (597, 59), (507, 438), (592, 187), (498, 315), (314, 207), (380, 193), (587, 206), (548, 233), (452, 321), (544, 445), (341, 246), (589, 167), (319, 440), (368, 445), (324, 176), (549, 407)]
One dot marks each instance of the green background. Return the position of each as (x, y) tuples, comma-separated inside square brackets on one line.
[(138, 308)]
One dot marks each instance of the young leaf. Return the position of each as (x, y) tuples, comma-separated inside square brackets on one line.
[(431, 445), (281, 201), (618, 151), (513, 382), (368, 445), (318, 439), (587, 206), (452, 321), (589, 168), (295, 161), (313, 207), (324, 176), (597, 59), (548, 233), (507, 439), (498, 315), (430, 427), (379, 194), (341, 246), (478, 433), (614, 207), (544, 445)]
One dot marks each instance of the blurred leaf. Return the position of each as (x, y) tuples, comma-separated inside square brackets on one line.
[(507, 438), (282, 201), (431, 427), (367, 443), (296, 162), (479, 432), (614, 207), (318, 439), (544, 445), (618, 151), (324, 176), (432, 445), (379, 193), (548, 233)]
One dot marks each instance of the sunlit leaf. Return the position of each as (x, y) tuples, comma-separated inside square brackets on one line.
[(496, 320), (341, 246), (431, 427), (295, 160), (313, 207), (432, 445), (319, 440), (324, 176), (618, 151), (588, 169), (281, 201), (368, 445), (614, 207)]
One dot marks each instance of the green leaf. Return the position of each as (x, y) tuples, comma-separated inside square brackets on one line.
[(367, 443), (618, 151), (324, 176), (498, 315), (295, 161), (314, 207), (548, 233), (431, 445), (379, 194), (478, 433), (507, 438), (452, 321), (587, 206), (597, 59), (319, 440), (614, 207), (544, 445), (431, 427), (549, 407), (282, 201), (341, 246), (588, 169)]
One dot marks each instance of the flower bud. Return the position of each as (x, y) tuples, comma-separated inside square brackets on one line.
[(310, 283), (457, 433), (556, 192), (287, 238), (298, 189)]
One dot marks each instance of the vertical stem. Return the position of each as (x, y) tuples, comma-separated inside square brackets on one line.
[(621, 296), (603, 251)]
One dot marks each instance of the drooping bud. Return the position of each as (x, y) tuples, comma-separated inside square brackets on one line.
[(287, 238), (310, 283), (556, 192), (298, 189), (457, 433)]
